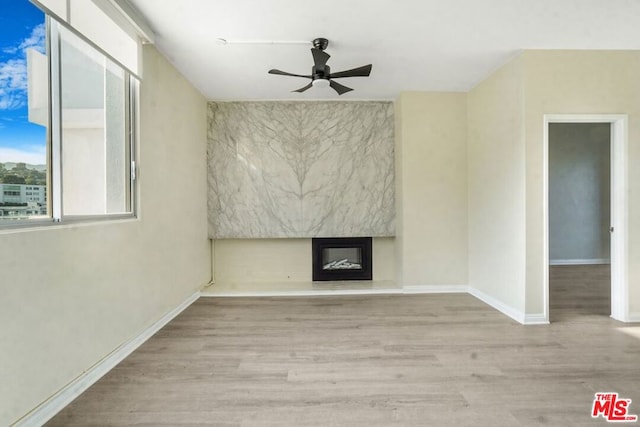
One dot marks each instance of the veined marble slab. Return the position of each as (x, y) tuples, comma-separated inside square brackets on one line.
[(300, 169)]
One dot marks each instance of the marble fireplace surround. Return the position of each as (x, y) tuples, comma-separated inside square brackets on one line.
[(300, 169)]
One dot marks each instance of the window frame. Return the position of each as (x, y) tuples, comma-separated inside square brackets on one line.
[(55, 143)]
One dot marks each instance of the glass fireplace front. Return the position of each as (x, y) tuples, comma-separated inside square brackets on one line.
[(342, 258)]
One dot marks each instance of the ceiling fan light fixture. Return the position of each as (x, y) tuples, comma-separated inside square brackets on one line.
[(321, 83)]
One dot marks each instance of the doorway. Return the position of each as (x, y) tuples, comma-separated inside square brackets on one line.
[(582, 237), (579, 220)]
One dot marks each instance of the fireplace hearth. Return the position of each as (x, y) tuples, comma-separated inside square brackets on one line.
[(342, 258)]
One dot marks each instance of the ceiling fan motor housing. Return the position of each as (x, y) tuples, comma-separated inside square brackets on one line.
[(320, 74), (320, 43)]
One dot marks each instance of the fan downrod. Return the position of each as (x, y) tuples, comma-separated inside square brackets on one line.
[(320, 43)]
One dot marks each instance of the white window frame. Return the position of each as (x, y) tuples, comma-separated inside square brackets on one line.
[(55, 143)]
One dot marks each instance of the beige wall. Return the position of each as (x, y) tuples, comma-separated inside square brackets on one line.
[(496, 187), (73, 294), (431, 188), (245, 261), (579, 82)]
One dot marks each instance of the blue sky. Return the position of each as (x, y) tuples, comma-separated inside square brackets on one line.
[(21, 27)]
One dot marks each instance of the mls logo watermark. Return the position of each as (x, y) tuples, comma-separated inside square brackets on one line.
[(612, 408)]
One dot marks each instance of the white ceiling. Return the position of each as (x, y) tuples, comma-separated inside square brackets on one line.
[(426, 45)]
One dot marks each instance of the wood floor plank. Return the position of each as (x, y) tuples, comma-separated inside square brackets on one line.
[(441, 359)]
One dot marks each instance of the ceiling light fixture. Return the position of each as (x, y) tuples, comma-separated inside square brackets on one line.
[(321, 83)]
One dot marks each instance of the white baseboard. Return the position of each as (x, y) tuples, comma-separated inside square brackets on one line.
[(435, 289), (579, 261), (536, 319), (516, 315), (634, 317), (318, 291), (46, 410), (301, 293)]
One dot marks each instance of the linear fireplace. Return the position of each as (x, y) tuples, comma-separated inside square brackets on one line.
[(342, 258)]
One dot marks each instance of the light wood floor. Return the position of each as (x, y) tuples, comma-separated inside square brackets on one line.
[(419, 360), (579, 290)]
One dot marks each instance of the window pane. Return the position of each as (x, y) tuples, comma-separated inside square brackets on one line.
[(95, 149), (24, 114)]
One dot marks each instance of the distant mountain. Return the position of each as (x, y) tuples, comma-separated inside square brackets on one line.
[(11, 165)]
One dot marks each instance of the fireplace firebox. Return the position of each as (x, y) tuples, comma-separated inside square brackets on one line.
[(342, 258)]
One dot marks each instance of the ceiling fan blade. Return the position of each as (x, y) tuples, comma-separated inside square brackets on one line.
[(339, 88), (320, 58), (284, 73), (363, 71), (302, 89)]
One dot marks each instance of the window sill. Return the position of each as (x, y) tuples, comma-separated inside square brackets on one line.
[(70, 222)]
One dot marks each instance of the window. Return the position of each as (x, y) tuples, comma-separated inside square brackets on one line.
[(23, 124), (95, 145), (66, 113)]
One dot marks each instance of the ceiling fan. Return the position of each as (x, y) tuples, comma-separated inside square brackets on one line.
[(321, 74)]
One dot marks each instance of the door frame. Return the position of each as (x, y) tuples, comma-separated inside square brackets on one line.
[(619, 207)]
